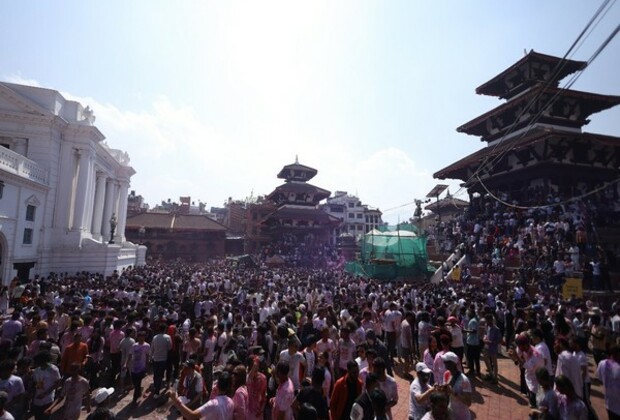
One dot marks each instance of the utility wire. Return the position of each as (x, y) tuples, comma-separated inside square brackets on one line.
[(561, 64)]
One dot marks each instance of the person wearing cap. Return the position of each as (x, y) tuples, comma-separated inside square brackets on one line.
[(458, 386), (75, 393), (419, 392), (529, 359)]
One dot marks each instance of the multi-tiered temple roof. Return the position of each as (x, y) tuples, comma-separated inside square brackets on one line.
[(297, 202), (536, 137)]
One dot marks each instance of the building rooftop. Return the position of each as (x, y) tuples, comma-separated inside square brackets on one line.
[(533, 68), (174, 221)]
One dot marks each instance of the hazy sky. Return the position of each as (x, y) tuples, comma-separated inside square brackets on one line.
[(211, 99)]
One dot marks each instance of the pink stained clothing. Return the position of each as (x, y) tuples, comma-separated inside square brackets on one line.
[(116, 336), (218, 408), (74, 391), (608, 371), (283, 401), (531, 360), (257, 387), (240, 403)]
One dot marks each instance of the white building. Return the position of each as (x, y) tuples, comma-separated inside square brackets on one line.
[(60, 185), (357, 218)]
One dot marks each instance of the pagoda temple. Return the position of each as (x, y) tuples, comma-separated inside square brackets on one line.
[(535, 138), (291, 212)]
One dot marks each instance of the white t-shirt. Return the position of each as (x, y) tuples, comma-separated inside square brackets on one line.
[(417, 410), (608, 371), (294, 362), (391, 391), (459, 410), (346, 351), (218, 408), (544, 351), (44, 379)]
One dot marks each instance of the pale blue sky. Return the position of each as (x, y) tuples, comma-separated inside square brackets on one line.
[(211, 99)]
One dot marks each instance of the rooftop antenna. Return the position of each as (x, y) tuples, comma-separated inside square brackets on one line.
[(296, 160)]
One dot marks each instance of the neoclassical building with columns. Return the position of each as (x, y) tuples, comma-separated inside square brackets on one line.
[(63, 190)]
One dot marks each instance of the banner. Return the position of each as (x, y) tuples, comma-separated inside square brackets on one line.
[(572, 287)]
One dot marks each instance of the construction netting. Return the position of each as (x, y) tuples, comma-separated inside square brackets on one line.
[(391, 253)]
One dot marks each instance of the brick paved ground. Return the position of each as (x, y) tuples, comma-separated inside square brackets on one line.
[(502, 401)]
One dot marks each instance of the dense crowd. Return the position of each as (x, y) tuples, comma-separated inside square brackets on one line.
[(307, 253), (284, 343), (547, 243)]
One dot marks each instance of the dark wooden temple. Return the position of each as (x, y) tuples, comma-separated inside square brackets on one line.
[(536, 138), (291, 210)]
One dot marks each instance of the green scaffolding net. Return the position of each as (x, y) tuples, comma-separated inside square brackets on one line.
[(387, 254)]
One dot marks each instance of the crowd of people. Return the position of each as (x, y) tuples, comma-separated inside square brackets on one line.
[(307, 253), (233, 343), (547, 242)]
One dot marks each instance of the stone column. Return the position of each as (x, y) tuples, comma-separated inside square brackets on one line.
[(110, 200), (99, 204), (90, 197), (122, 211), (66, 176), (81, 189)]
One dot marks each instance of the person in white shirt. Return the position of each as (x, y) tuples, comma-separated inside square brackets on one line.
[(419, 392), (218, 408), (568, 365), (537, 338), (459, 387), (608, 371), (295, 360)]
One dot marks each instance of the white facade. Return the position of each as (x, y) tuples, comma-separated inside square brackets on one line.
[(357, 218), (61, 184)]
